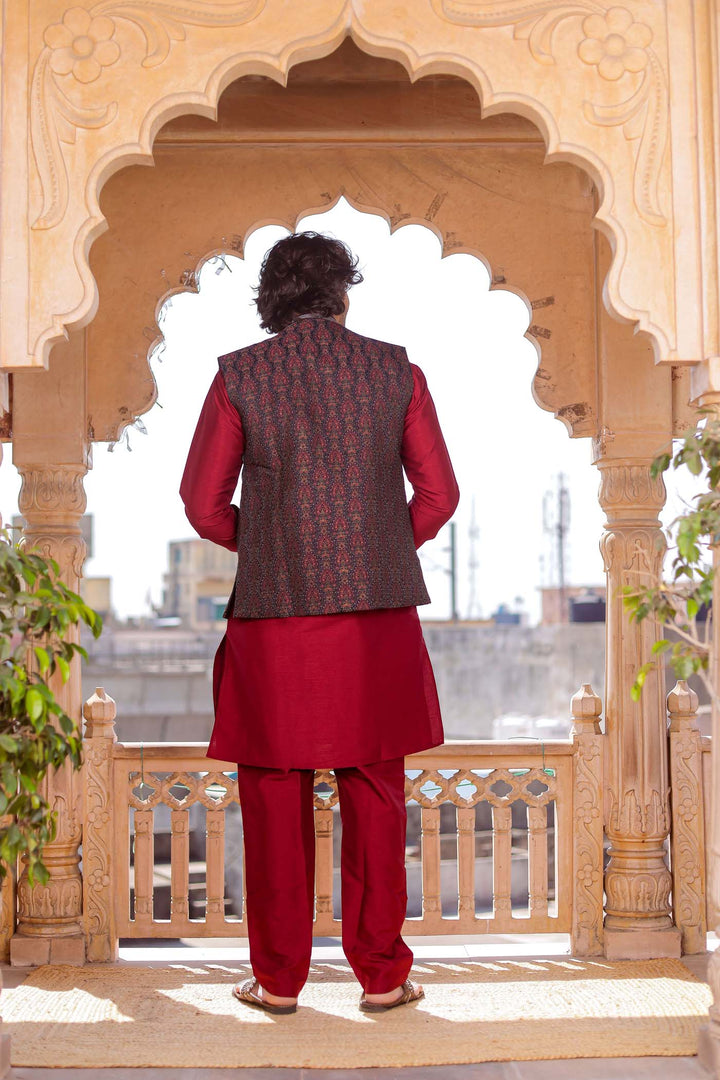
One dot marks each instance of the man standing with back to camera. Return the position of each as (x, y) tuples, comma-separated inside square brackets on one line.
[(323, 664)]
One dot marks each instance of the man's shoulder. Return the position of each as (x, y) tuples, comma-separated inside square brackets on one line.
[(245, 352), (373, 345), (375, 348)]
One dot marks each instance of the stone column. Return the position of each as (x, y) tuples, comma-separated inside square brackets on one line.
[(50, 930), (709, 1036), (7, 890), (51, 452), (7, 926), (638, 920)]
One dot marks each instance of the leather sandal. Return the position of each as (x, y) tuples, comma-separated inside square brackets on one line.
[(410, 992), (247, 992)]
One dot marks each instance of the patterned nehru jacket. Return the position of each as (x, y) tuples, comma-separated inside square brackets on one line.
[(324, 525)]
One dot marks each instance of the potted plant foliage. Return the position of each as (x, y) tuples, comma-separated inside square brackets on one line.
[(36, 612), (682, 603)]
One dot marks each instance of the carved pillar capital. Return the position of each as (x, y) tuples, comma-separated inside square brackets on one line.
[(633, 545), (52, 500), (52, 489), (628, 489)]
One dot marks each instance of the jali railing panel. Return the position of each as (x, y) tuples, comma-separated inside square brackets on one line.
[(540, 848)]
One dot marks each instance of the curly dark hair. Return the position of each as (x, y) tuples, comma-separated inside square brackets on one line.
[(304, 274)]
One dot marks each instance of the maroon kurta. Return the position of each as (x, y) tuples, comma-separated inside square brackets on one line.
[(319, 691)]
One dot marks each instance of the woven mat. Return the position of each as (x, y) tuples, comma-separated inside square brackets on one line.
[(180, 1015)]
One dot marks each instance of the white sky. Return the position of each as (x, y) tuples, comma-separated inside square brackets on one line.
[(468, 340)]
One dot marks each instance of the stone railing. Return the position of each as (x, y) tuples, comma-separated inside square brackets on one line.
[(558, 836), (538, 847), (690, 808), (713, 914)]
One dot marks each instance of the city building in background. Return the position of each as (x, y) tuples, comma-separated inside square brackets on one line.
[(504, 616), (486, 673), (197, 583), (97, 594), (572, 604)]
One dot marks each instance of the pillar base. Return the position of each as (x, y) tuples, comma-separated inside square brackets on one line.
[(33, 951), (709, 1050), (642, 944)]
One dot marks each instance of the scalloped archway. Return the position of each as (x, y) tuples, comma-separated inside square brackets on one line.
[(155, 60), (174, 59), (483, 186)]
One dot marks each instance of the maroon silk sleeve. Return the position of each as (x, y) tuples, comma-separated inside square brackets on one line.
[(427, 464), (212, 469)]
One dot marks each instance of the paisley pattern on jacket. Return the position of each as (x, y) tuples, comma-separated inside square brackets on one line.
[(324, 525)]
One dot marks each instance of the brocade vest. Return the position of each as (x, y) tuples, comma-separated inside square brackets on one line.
[(324, 524)]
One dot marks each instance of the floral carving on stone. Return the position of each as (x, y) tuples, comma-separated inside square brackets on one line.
[(77, 50), (97, 880), (588, 875), (81, 45), (587, 813), (619, 47), (687, 808), (615, 43), (587, 929), (688, 832)]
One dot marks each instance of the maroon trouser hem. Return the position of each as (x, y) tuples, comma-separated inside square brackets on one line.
[(279, 836)]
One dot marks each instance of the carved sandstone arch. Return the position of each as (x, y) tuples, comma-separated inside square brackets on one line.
[(388, 146), (484, 189), (93, 112), (622, 362)]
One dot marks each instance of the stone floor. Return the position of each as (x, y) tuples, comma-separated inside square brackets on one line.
[(578, 1069), (548, 945)]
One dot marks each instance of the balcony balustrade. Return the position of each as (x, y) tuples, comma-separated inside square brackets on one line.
[(503, 837), (536, 866)]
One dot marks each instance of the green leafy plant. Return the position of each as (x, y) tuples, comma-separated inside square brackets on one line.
[(36, 612), (675, 603)]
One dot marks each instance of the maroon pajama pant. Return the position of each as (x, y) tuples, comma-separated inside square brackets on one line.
[(279, 835)]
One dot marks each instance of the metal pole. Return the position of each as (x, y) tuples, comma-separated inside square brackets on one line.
[(561, 548), (453, 572), (562, 530)]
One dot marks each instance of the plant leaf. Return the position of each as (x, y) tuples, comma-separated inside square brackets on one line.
[(34, 703)]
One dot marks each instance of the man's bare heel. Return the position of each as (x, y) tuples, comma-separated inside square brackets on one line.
[(410, 992)]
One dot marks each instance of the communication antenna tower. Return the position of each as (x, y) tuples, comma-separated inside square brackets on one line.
[(451, 570), (473, 608), (556, 524)]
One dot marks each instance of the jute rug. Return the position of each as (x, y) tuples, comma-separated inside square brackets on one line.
[(502, 1010)]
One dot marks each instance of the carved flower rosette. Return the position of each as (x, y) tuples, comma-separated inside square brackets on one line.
[(618, 47), (79, 48)]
